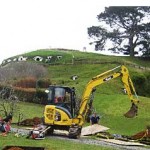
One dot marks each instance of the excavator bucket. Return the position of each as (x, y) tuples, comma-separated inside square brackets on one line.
[(132, 112)]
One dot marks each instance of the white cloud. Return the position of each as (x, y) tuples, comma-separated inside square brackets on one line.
[(33, 24)]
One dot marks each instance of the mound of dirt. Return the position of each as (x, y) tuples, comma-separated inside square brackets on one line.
[(31, 122)]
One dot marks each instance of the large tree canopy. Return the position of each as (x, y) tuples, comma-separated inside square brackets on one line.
[(124, 29)]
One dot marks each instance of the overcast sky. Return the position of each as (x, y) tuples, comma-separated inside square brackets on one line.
[(27, 25)]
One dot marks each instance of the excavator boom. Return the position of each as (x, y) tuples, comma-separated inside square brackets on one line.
[(105, 77)]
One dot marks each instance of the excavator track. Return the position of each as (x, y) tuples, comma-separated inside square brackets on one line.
[(74, 132)]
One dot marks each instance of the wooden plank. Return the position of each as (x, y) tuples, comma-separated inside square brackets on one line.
[(93, 129), (119, 142)]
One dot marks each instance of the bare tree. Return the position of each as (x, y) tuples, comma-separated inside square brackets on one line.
[(8, 102)]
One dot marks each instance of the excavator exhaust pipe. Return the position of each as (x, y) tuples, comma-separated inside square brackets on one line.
[(132, 112)]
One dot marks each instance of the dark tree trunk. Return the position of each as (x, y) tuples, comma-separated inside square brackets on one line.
[(131, 44), (132, 52)]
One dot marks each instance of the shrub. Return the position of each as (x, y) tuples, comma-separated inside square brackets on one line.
[(28, 82), (147, 84), (40, 97), (139, 79), (142, 84), (25, 94), (31, 95), (43, 83)]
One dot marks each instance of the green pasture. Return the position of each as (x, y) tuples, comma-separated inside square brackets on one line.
[(48, 143), (110, 102), (112, 108)]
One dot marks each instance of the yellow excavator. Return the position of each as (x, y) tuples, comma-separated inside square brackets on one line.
[(61, 113)]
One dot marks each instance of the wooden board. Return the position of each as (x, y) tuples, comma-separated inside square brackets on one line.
[(119, 142), (61, 132), (93, 129)]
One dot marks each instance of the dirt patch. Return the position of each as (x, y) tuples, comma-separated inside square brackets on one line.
[(22, 148), (31, 122), (15, 148)]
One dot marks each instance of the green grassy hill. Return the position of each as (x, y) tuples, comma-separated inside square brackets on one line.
[(71, 56), (110, 102)]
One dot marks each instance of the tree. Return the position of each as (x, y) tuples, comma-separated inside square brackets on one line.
[(8, 102), (125, 28), (18, 70)]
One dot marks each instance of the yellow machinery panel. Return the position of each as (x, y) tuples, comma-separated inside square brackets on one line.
[(54, 116)]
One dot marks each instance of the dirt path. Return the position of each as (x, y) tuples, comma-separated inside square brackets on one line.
[(84, 140), (87, 140)]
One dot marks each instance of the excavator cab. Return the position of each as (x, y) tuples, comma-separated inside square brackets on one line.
[(63, 97)]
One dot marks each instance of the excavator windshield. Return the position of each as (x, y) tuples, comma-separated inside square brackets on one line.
[(58, 95), (62, 97)]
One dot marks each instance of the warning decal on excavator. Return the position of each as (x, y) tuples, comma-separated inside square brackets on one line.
[(108, 78)]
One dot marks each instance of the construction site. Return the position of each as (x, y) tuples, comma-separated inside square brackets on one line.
[(65, 119)]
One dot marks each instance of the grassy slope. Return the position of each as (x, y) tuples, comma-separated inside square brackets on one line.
[(109, 101), (69, 54), (112, 109), (110, 93)]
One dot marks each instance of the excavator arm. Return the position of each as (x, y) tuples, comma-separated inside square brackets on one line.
[(105, 77), (58, 116)]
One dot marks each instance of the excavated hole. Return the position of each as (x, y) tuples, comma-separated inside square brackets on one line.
[(22, 148)]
